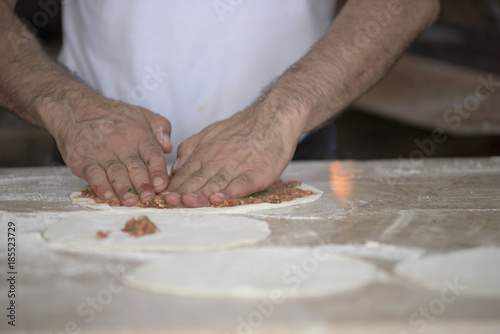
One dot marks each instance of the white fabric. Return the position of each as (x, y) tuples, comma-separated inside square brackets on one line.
[(194, 62)]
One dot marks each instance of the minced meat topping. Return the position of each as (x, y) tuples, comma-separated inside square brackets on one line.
[(138, 227), (101, 235), (278, 192)]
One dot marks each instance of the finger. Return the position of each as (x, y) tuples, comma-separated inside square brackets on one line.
[(183, 175), (172, 198), (243, 185), (119, 176), (184, 152), (190, 190), (156, 164), (139, 176), (161, 128), (174, 188), (98, 180), (214, 185)]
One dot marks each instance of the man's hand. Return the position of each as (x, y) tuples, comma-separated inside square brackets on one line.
[(232, 158), (118, 148), (247, 152)]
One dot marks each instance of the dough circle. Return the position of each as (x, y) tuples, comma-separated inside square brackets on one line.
[(89, 203), (257, 273), (475, 271), (177, 232)]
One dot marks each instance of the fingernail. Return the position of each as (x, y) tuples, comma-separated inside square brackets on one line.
[(166, 139), (220, 195), (108, 195), (129, 195), (163, 137), (158, 182), (173, 198), (174, 167)]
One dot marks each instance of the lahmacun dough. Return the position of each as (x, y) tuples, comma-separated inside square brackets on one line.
[(90, 203), (176, 232), (255, 273), (472, 272)]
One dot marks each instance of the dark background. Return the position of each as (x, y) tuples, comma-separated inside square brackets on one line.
[(467, 34)]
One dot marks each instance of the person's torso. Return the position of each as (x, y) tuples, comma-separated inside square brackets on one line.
[(194, 62)]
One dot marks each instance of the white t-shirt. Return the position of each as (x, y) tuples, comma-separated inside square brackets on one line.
[(193, 61)]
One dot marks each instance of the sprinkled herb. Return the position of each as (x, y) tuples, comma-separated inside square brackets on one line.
[(87, 190), (113, 181), (148, 162), (260, 193), (153, 200), (273, 201), (132, 190)]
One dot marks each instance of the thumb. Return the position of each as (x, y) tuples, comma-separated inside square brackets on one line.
[(185, 151), (161, 128)]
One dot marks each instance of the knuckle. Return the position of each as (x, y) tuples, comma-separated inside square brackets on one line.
[(122, 190), (191, 168), (151, 148), (200, 173), (185, 174), (151, 151), (244, 180), (114, 167), (90, 170), (196, 180), (186, 147), (134, 163), (162, 122), (135, 167), (157, 166), (221, 179)]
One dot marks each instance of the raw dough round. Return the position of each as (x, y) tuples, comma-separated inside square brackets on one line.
[(254, 273), (89, 203), (177, 232), (475, 271)]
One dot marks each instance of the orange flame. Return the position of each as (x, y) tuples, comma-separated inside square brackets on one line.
[(340, 182)]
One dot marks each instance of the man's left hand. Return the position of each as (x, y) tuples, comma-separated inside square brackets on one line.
[(233, 158)]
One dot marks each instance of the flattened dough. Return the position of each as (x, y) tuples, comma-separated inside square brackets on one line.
[(478, 269), (177, 232), (89, 203), (254, 273)]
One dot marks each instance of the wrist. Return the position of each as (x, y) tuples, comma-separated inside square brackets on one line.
[(61, 104), (284, 110)]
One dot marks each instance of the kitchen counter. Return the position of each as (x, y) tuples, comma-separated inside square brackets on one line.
[(379, 211)]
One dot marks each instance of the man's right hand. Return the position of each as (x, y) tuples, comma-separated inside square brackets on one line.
[(118, 148)]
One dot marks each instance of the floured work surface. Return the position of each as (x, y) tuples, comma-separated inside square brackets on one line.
[(382, 212)]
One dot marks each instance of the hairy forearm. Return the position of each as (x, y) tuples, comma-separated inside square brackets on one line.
[(29, 79), (358, 50)]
